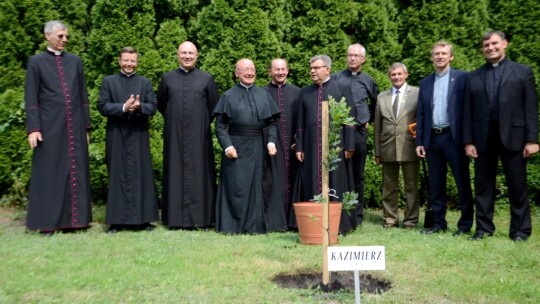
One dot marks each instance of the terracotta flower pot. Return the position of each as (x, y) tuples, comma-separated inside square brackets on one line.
[(309, 221)]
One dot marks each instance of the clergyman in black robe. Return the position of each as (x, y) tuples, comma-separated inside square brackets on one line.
[(308, 139), (364, 92), (186, 98), (128, 100), (249, 197), (57, 121), (286, 96)]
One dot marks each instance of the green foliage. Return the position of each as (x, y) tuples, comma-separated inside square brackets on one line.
[(339, 113), (227, 30)]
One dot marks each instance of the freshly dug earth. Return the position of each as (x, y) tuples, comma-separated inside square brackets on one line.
[(338, 281)]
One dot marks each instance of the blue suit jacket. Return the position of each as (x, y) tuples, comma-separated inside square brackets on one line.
[(424, 114)]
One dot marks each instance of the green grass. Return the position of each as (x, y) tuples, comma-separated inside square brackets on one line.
[(206, 267)]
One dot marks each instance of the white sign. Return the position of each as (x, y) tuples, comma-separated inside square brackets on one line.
[(347, 258)]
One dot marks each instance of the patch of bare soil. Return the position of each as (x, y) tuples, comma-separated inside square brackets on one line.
[(11, 217), (338, 281)]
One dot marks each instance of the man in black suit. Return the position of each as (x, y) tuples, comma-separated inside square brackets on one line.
[(501, 121), (439, 136)]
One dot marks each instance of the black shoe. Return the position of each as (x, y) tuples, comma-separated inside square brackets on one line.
[(148, 227), (461, 232), (519, 239), (434, 230), (479, 235), (113, 229)]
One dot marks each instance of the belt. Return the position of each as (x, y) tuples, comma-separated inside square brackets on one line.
[(240, 130), (440, 130)]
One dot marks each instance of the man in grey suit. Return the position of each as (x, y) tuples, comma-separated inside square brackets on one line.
[(395, 147), (501, 121), (439, 133)]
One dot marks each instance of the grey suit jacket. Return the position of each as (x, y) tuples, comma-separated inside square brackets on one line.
[(393, 141)]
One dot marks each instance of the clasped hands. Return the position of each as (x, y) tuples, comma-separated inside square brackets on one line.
[(132, 104)]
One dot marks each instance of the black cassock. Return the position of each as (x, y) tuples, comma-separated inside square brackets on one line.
[(286, 97), (308, 136), (56, 103), (131, 198), (249, 199), (186, 101)]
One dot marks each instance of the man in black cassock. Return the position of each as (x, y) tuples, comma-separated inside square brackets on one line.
[(364, 92), (249, 197), (58, 122), (186, 98), (308, 138), (286, 97), (128, 100)]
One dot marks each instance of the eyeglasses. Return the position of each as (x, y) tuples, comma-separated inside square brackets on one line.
[(61, 36), (354, 55), (246, 70), (316, 68)]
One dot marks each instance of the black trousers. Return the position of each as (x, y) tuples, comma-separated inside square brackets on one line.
[(514, 167)]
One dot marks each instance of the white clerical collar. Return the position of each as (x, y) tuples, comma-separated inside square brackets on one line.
[(57, 53), (354, 73), (327, 79), (185, 70), (127, 74), (279, 85), (245, 86)]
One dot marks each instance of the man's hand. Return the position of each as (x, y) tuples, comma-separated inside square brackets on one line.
[(129, 104), (530, 149), (420, 152), (470, 151), (300, 156), (34, 138), (271, 149), (231, 153), (349, 154), (378, 160)]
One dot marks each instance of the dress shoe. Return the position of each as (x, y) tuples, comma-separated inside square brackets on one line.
[(461, 232), (479, 235), (519, 239), (112, 229), (434, 230)]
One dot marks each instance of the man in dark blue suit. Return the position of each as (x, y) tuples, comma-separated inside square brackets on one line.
[(439, 137), (501, 121)]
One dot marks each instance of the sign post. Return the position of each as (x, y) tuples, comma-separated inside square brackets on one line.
[(356, 258)]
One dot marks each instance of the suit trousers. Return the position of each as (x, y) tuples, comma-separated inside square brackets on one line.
[(514, 168), (390, 203), (359, 164), (441, 153)]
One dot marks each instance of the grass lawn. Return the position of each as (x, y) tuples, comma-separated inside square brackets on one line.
[(206, 267)]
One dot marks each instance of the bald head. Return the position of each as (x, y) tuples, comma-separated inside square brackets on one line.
[(187, 55), (245, 71)]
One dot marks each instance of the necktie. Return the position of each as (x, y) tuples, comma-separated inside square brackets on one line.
[(395, 105)]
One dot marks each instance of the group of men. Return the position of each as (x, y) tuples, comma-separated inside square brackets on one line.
[(271, 140), (487, 115)]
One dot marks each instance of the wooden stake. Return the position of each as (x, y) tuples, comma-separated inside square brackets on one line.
[(326, 202)]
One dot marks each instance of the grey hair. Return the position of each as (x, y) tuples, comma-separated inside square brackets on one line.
[(396, 66), (324, 58), (53, 25), (362, 48)]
